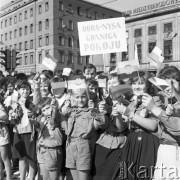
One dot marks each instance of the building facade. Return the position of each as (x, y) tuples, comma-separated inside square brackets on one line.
[(153, 25), (40, 27)]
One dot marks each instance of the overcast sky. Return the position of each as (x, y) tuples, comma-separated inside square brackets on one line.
[(120, 5)]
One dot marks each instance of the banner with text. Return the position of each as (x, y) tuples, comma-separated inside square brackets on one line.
[(102, 36)]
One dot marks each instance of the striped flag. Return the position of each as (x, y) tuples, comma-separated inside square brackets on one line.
[(50, 62)]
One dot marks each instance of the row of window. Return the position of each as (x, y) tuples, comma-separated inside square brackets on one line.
[(25, 15), (80, 10), (30, 59), (25, 30), (152, 30), (167, 46)]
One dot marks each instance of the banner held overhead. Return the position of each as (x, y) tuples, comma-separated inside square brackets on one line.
[(102, 36)]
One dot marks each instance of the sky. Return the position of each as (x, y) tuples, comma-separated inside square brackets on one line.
[(119, 5)]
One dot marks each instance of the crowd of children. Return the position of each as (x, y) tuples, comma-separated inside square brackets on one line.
[(123, 128)]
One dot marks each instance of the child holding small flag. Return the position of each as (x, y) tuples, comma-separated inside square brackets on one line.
[(82, 123)]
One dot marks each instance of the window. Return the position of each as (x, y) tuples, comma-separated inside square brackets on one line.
[(20, 46), (71, 25), (70, 9), (40, 9), (70, 58), (40, 42), (139, 50), (47, 23), (47, 40), (20, 61), (25, 14), (61, 6), (95, 15), (15, 33), (20, 17), (60, 22), (31, 12), (80, 59), (152, 30), (1, 37), (79, 11), (88, 13), (168, 27), (61, 56), (31, 28), (15, 19), (31, 44), (25, 30), (10, 47), (15, 46), (47, 6), (10, 35), (5, 36), (70, 41), (25, 45), (151, 46), (61, 40), (125, 55), (40, 58), (10, 21), (1, 24), (5, 23), (113, 57), (25, 60), (40, 26), (20, 31), (168, 53), (87, 59), (137, 33), (31, 59)]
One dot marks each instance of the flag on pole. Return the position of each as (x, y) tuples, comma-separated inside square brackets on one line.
[(160, 83), (50, 62), (66, 71), (156, 58)]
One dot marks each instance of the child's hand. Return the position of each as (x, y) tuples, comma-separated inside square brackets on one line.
[(37, 79), (169, 110), (144, 112), (53, 101), (90, 104), (64, 108)]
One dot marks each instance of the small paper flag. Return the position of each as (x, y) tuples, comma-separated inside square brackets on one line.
[(102, 83), (156, 58), (160, 83), (50, 62), (66, 71)]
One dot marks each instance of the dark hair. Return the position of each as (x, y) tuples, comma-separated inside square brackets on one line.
[(10, 81), (44, 101), (92, 81), (48, 74), (89, 66), (144, 76), (170, 72), (23, 84), (79, 72), (20, 76)]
